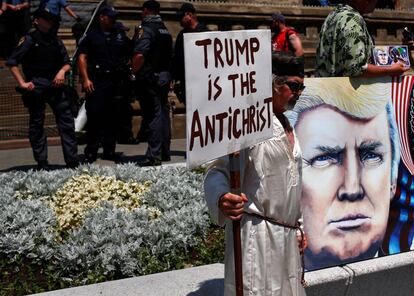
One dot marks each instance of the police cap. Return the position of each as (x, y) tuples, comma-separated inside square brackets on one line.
[(108, 11), (46, 15)]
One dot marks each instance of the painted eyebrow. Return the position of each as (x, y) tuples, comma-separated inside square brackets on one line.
[(370, 145), (330, 150)]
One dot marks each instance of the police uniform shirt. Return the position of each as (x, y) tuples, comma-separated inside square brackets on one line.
[(154, 42), (39, 55), (106, 51)]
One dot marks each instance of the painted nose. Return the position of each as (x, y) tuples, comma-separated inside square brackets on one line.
[(351, 189)]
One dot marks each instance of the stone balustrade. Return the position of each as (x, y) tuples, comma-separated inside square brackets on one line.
[(385, 25)]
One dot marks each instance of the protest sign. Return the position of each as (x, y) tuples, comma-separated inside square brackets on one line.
[(229, 92)]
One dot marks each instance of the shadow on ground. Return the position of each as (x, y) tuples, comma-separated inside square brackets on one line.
[(208, 288), (25, 168), (122, 158)]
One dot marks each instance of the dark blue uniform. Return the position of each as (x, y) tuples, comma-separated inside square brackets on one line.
[(42, 56), (154, 42), (107, 56)]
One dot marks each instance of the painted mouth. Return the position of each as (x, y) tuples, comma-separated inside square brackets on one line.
[(350, 222)]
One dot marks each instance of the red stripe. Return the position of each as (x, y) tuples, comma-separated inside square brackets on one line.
[(401, 101), (404, 118), (408, 160)]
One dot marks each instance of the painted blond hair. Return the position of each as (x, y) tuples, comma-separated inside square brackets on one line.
[(356, 97), (359, 97)]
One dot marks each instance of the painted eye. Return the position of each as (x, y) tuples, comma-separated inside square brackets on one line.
[(322, 161), (371, 158)]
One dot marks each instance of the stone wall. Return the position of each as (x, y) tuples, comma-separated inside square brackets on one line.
[(405, 4), (385, 25)]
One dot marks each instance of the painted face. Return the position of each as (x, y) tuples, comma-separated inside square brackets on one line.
[(346, 185), (382, 57), (285, 95)]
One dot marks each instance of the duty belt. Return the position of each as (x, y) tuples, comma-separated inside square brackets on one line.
[(290, 226)]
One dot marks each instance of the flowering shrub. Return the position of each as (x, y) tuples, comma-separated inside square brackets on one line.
[(85, 192), (99, 223)]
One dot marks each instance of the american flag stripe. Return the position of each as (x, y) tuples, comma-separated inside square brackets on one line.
[(401, 96)]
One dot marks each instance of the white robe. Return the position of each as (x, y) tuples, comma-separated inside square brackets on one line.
[(271, 180)]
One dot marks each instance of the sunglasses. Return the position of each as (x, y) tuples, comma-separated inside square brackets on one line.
[(295, 86)]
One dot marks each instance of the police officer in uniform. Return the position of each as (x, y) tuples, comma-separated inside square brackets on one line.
[(151, 63), (45, 62), (103, 58)]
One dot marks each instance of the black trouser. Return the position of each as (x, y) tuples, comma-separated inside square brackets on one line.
[(156, 113), (61, 108), (123, 118), (101, 114)]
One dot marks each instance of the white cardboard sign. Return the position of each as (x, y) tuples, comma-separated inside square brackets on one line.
[(228, 92)]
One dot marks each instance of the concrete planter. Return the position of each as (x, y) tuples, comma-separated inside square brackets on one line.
[(391, 275)]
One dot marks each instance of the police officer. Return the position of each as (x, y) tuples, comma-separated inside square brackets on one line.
[(151, 63), (103, 58), (45, 61), (190, 24)]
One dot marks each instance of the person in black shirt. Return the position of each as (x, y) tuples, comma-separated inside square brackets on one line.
[(45, 62), (103, 59), (151, 63), (188, 20)]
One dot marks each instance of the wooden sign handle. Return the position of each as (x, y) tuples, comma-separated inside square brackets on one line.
[(235, 189)]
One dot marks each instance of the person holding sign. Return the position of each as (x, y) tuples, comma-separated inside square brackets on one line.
[(269, 207)]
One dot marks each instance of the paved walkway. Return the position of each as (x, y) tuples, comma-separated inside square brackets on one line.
[(22, 159)]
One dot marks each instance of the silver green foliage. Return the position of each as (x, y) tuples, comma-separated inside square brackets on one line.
[(111, 240)]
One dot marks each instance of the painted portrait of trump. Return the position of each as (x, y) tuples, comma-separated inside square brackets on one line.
[(350, 149)]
